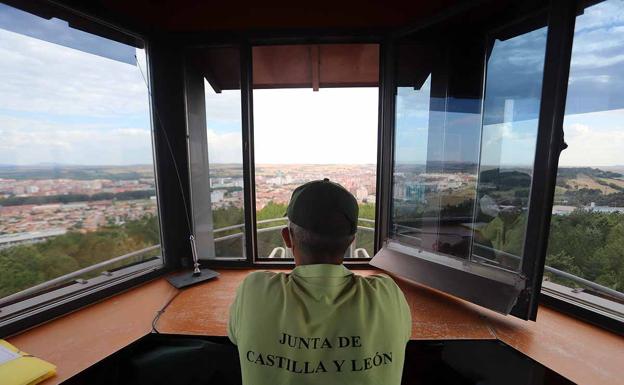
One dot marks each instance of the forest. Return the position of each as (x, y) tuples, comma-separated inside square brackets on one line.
[(26, 265), (587, 244), (72, 198)]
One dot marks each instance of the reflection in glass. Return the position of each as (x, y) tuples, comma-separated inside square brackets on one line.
[(464, 152), (510, 119)]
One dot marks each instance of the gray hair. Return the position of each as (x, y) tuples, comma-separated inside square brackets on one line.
[(319, 245)]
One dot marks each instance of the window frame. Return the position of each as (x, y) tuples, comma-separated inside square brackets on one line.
[(561, 18), (40, 307), (246, 44), (551, 297), (174, 236)]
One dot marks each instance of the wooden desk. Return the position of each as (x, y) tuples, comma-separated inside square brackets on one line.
[(200, 311), (581, 352), (78, 340)]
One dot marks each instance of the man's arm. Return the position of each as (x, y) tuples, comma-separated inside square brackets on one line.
[(396, 297), (406, 313), (235, 314)]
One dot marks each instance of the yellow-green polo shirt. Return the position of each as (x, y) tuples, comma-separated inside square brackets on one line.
[(320, 324)]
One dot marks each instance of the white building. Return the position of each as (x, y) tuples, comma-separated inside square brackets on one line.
[(217, 196), (361, 194)]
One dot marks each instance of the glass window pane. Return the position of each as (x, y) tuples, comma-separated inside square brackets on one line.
[(464, 146), (77, 182), (225, 149), (510, 118), (315, 117), (587, 226), (215, 142)]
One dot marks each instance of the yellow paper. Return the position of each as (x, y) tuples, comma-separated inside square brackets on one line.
[(25, 370)]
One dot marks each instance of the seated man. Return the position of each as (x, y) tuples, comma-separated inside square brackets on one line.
[(320, 324)]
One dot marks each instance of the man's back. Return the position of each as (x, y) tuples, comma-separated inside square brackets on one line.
[(321, 324)]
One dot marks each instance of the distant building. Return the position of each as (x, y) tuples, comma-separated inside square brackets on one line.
[(32, 189), (415, 192), (74, 206), (562, 210), (604, 209), (361, 194), (9, 240), (217, 196), (19, 190), (48, 207), (567, 210)]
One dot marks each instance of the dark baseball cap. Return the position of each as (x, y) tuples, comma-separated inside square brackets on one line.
[(324, 207)]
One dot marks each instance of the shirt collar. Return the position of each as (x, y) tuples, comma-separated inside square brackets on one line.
[(321, 270)]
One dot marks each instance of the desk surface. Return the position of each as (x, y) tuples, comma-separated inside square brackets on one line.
[(581, 352)]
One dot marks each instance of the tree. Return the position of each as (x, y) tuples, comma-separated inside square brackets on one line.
[(23, 266)]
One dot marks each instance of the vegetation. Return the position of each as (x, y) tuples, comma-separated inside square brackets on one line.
[(268, 240), (23, 266), (585, 243), (71, 198), (585, 197), (589, 245), (581, 186), (77, 172), (565, 174)]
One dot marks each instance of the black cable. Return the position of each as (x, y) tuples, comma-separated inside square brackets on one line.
[(161, 311), (162, 127)]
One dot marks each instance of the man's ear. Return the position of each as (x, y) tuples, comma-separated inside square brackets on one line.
[(286, 237)]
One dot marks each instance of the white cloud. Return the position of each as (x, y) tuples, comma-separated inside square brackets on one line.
[(510, 143), (61, 105), (42, 77), (599, 15), (592, 144), (27, 141), (596, 61), (225, 147), (223, 107)]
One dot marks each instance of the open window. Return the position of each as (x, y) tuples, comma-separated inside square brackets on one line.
[(468, 131), (314, 117), (585, 260), (264, 119), (79, 213)]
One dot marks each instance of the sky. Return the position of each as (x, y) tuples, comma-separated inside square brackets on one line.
[(593, 126), (296, 126), (65, 106), (81, 100)]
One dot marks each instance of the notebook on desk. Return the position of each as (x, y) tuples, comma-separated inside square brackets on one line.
[(20, 368)]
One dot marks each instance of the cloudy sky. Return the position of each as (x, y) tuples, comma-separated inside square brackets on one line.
[(594, 122), (80, 99)]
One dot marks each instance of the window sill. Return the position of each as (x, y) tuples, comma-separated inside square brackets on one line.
[(37, 309), (586, 307)]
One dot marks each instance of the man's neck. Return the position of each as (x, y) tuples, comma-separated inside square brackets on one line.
[(305, 260)]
